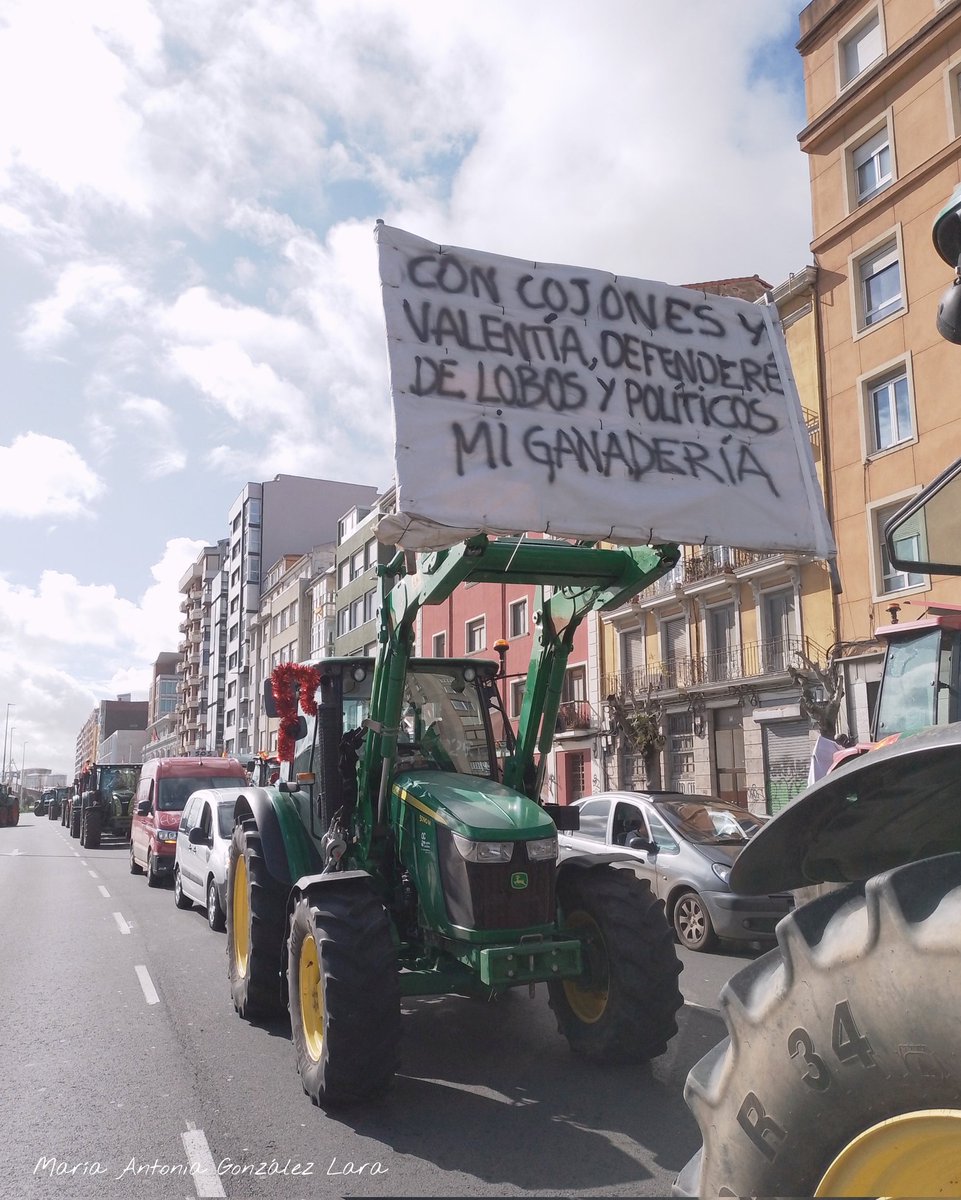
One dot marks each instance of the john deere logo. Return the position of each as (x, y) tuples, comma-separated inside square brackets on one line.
[(519, 880)]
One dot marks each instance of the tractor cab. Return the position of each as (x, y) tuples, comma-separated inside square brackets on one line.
[(921, 675)]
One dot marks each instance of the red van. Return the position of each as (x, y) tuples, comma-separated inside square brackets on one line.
[(166, 784)]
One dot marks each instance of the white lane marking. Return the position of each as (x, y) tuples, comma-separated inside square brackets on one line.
[(75, 854), (83, 862), (203, 1168), (146, 983), (122, 924), (103, 892), (93, 874)]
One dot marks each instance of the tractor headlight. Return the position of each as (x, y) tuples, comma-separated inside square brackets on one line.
[(542, 848), (483, 852)]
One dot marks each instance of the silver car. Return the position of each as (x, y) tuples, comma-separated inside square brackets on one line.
[(200, 859), (685, 845)]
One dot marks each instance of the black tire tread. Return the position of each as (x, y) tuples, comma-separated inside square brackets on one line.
[(90, 829), (890, 948), (258, 992), (361, 982), (644, 998)]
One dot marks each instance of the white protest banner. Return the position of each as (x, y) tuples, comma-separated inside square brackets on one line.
[(530, 397)]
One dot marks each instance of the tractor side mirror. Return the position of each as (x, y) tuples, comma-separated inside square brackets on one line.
[(947, 241), (270, 704)]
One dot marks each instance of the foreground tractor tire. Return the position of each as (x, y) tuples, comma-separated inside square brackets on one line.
[(75, 823), (256, 926), (842, 1072), (90, 827), (623, 1008), (344, 990)]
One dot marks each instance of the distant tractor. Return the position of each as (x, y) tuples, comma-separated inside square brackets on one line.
[(9, 806), (104, 803)]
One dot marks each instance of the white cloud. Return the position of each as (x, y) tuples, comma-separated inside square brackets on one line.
[(45, 477)]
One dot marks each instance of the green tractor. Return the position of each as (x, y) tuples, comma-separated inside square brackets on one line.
[(842, 1072), (103, 804), (405, 850), (9, 806)]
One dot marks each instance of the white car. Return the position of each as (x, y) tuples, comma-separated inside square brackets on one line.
[(200, 859)]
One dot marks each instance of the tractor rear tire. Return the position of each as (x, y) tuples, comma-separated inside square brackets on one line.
[(90, 826), (623, 1007), (850, 1022), (256, 927), (75, 823), (15, 815), (344, 985)]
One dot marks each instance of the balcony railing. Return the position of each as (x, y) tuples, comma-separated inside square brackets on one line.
[(752, 660), (707, 563), (576, 715)]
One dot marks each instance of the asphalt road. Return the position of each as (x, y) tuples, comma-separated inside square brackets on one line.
[(127, 1072)]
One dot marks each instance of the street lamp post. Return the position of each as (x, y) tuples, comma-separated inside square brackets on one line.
[(8, 774), (6, 727), (23, 771)]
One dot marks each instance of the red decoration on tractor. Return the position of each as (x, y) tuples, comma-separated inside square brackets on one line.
[(290, 682)]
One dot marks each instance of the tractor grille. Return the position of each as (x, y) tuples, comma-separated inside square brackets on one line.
[(481, 895)]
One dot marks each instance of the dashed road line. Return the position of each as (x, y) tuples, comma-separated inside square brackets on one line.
[(203, 1169), (122, 924), (93, 874), (146, 984), (103, 892)]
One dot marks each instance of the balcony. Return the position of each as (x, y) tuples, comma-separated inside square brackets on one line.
[(752, 660), (707, 562), (576, 716)]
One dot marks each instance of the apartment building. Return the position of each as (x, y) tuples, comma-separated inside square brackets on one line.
[(699, 685), (883, 139), (108, 717), (286, 515), (202, 659), (356, 582), (161, 733)]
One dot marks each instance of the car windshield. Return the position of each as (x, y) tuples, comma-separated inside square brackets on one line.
[(173, 794), (701, 819)]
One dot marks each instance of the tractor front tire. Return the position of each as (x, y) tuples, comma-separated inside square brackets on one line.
[(256, 926), (842, 1072), (75, 816), (623, 1007), (90, 827), (344, 986)]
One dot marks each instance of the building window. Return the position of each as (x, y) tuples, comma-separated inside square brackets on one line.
[(518, 618), (889, 417), (343, 619), (860, 48), (871, 165), (909, 546), (680, 749), (438, 645), (343, 573), (880, 294), (356, 612), (370, 553), (370, 604), (517, 696), (357, 563), (475, 635)]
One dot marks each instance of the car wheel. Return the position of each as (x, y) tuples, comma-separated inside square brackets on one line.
[(153, 879), (180, 899), (692, 923), (135, 867), (216, 917)]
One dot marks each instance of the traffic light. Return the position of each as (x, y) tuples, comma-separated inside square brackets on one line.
[(947, 242)]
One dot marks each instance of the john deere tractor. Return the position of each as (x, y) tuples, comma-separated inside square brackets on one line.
[(103, 804), (405, 850), (842, 1072)]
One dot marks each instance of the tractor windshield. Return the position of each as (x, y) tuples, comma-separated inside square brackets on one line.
[(919, 682), (119, 779), (444, 725)]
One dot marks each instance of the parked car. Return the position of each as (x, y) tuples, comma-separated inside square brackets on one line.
[(203, 846), (685, 845), (166, 784)]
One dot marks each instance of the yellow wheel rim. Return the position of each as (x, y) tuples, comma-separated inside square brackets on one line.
[(241, 921), (588, 997), (915, 1154), (311, 998)]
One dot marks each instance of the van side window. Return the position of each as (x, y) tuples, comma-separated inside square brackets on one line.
[(662, 836), (189, 819), (205, 821)]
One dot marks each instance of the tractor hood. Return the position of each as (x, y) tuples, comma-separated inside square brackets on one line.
[(474, 807), (888, 807)]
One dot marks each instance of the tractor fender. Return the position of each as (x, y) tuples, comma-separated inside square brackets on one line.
[(307, 884), (881, 810), (584, 862), (288, 850)]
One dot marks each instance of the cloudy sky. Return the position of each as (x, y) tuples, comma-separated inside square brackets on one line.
[(189, 297)]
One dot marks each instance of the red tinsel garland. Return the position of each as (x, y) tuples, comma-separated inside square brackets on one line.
[(290, 682)]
